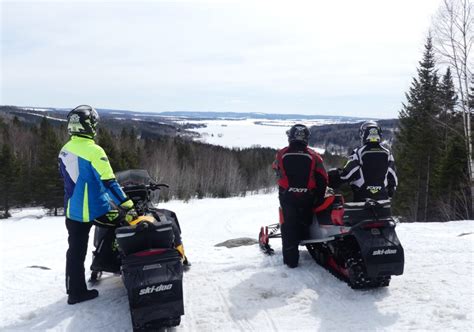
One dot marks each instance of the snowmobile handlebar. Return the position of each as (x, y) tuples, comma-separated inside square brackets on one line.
[(155, 186), (151, 186)]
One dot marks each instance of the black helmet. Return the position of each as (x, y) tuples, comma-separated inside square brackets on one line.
[(370, 132), (83, 121), (298, 133)]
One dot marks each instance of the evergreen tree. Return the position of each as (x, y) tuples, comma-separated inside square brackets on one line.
[(49, 187), (418, 143), (129, 151), (106, 141), (448, 101), (452, 188), (8, 179)]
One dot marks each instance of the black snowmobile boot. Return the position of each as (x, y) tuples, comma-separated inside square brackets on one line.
[(186, 264), (86, 296)]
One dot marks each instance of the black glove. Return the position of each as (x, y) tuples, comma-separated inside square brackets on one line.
[(390, 191), (334, 176)]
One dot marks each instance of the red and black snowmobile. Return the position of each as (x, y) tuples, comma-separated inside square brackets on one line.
[(146, 254), (356, 241)]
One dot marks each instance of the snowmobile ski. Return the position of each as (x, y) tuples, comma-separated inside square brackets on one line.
[(267, 232)]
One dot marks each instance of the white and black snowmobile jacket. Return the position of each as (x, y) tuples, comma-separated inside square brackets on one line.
[(371, 172)]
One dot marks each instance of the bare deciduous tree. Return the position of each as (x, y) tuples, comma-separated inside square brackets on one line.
[(453, 28)]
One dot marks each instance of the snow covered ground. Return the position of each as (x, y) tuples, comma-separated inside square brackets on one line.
[(240, 289), (249, 132)]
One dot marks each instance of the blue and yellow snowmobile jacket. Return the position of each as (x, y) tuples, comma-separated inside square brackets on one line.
[(89, 182)]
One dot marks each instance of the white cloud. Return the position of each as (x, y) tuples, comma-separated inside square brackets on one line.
[(272, 56)]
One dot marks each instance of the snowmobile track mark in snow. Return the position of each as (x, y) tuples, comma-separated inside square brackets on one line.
[(227, 308)]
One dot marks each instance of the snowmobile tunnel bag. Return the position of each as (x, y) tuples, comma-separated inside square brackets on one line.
[(132, 239), (355, 212), (382, 252), (154, 283)]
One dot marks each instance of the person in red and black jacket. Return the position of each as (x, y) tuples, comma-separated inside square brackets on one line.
[(302, 182)]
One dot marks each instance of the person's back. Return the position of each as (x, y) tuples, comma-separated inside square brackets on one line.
[(297, 165), (302, 180), (371, 167), (84, 165)]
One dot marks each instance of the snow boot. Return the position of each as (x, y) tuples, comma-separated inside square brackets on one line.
[(87, 295)]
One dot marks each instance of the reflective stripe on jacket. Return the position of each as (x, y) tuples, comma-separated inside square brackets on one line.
[(89, 182)]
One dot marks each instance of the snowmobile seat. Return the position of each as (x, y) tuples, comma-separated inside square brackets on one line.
[(330, 212), (356, 212), (145, 235)]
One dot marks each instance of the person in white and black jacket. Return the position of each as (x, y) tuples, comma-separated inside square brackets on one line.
[(371, 167)]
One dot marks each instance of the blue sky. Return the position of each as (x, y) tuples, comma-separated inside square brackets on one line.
[(354, 58)]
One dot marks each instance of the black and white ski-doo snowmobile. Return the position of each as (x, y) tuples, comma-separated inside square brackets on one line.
[(355, 241), (145, 254)]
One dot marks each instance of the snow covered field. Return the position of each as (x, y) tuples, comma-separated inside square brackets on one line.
[(240, 289), (249, 132)]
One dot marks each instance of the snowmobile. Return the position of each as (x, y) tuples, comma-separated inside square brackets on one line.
[(355, 241), (144, 252)]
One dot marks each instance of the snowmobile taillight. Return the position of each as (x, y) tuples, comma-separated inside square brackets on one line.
[(263, 239), (375, 225), (149, 252)]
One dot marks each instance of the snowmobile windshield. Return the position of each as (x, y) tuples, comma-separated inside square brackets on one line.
[(133, 177), (138, 177)]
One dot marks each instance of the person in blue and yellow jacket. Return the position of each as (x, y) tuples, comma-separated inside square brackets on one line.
[(91, 196)]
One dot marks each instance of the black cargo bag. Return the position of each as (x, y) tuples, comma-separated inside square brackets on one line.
[(154, 283), (356, 212), (144, 236)]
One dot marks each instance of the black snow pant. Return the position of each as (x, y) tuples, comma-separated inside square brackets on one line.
[(297, 216), (76, 255)]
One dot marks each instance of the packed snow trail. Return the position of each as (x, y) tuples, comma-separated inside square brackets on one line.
[(240, 289)]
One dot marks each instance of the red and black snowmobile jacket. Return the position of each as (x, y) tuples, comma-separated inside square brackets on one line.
[(301, 173)]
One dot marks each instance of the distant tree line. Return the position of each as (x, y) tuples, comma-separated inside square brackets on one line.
[(29, 170), (342, 138)]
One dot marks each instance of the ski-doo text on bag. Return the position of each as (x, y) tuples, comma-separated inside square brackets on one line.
[(384, 252), (155, 289)]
